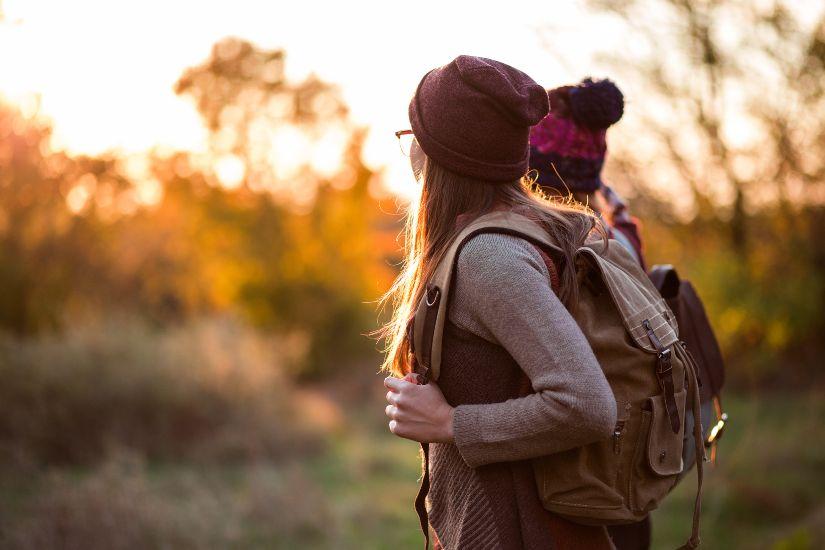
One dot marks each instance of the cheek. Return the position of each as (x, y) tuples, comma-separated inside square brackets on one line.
[(417, 162)]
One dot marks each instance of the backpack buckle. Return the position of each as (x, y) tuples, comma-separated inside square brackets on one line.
[(664, 364)]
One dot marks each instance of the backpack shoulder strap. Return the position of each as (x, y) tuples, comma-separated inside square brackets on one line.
[(696, 328), (666, 280), (431, 313)]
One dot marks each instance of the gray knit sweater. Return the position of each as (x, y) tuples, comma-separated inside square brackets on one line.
[(503, 294)]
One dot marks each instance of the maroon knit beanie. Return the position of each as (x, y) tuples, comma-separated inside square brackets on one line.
[(473, 117)]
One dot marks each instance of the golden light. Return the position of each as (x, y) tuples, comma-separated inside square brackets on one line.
[(149, 192), (230, 171), (115, 91), (77, 198), (290, 149), (327, 152)]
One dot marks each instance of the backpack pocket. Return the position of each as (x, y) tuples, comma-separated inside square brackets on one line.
[(657, 461)]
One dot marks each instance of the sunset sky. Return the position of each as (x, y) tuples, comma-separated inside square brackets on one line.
[(104, 70)]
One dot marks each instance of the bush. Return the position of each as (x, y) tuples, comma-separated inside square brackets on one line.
[(211, 390), (122, 505)]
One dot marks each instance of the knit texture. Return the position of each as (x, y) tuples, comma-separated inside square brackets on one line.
[(568, 147), (503, 294), (596, 104), (473, 117), (576, 153), (524, 383)]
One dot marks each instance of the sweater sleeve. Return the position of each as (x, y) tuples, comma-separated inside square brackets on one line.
[(503, 294)]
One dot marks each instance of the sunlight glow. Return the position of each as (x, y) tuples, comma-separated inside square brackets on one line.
[(289, 151), (326, 153), (149, 192), (78, 197), (104, 71), (230, 170), (107, 86)]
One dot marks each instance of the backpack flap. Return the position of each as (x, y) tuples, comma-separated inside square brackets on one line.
[(644, 313), (431, 313), (636, 299)]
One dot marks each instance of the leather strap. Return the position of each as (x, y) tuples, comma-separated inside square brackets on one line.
[(431, 304), (664, 374), (421, 497), (505, 222), (699, 440)]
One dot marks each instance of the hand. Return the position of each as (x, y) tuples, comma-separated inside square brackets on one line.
[(418, 412)]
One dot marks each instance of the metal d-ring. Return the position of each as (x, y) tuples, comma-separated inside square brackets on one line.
[(436, 294)]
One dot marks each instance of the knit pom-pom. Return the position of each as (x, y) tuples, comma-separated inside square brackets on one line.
[(596, 104)]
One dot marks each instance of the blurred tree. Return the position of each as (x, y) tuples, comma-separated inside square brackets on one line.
[(729, 113), (253, 112), (47, 251), (32, 217), (291, 250), (315, 269), (732, 92)]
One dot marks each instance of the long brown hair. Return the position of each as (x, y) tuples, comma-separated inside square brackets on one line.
[(431, 225)]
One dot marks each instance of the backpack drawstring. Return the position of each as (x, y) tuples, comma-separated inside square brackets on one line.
[(699, 441)]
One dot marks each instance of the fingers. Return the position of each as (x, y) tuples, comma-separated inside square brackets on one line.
[(396, 384), (401, 430), (394, 427), (401, 394), (392, 412), (397, 399)]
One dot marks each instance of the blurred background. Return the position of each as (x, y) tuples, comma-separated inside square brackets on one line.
[(200, 203)]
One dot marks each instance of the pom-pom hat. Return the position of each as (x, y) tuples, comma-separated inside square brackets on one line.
[(571, 139), (473, 117)]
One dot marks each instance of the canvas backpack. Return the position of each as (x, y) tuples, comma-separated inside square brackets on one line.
[(635, 338)]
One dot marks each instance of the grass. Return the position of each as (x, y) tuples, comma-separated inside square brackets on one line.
[(767, 491), (191, 438), (356, 494), (212, 390)]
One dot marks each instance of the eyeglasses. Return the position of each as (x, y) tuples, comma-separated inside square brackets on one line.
[(405, 141)]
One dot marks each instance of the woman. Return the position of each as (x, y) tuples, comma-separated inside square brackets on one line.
[(518, 377)]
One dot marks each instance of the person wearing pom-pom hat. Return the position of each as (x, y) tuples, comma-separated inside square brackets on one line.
[(568, 149)]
